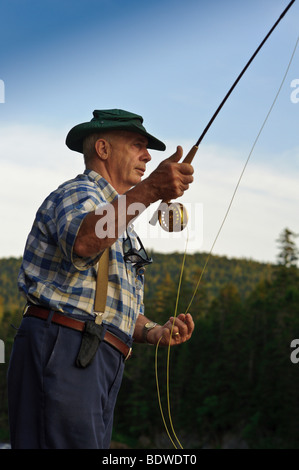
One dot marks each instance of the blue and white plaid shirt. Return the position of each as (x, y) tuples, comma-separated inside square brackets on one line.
[(53, 276)]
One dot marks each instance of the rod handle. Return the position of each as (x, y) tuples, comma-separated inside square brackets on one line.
[(189, 157)]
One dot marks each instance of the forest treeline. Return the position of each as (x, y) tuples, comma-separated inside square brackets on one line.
[(234, 377)]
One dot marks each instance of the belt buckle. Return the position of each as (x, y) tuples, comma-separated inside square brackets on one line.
[(128, 355)]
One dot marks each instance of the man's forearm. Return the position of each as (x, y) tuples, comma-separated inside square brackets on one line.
[(101, 228)]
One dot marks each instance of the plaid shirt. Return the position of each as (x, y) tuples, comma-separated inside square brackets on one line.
[(53, 276)]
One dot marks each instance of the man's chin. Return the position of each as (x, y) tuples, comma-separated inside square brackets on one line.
[(136, 180)]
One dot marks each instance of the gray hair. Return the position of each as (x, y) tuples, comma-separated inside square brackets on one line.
[(89, 151), (89, 142)]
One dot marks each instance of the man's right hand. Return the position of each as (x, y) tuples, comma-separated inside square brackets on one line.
[(170, 179)]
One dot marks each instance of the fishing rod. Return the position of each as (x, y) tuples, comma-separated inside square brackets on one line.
[(172, 216)]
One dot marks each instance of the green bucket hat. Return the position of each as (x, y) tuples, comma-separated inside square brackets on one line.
[(110, 119)]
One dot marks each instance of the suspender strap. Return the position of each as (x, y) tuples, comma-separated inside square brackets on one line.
[(101, 287)]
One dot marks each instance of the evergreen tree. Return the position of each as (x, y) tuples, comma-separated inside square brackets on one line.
[(289, 253)]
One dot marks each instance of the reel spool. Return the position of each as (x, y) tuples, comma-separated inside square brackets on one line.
[(172, 217)]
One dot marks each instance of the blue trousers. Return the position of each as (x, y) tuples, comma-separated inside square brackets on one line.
[(52, 403)]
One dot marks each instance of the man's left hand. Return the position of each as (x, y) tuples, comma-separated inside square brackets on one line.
[(176, 331)]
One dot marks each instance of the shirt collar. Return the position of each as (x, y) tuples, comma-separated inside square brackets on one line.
[(108, 191)]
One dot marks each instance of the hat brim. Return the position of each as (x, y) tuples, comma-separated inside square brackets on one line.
[(77, 134)]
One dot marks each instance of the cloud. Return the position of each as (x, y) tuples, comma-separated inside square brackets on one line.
[(34, 161), (265, 202)]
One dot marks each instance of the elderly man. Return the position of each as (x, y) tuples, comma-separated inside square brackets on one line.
[(69, 353)]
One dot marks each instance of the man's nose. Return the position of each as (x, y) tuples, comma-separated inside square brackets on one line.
[(147, 156)]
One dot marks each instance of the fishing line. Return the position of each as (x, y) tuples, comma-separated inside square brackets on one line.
[(168, 359)]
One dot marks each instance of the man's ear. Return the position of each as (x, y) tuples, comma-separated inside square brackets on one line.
[(102, 148)]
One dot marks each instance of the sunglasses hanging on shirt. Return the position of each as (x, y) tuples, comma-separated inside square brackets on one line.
[(137, 256)]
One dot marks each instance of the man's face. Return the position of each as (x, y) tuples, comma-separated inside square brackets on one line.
[(127, 162)]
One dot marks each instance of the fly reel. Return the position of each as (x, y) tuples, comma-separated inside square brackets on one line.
[(172, 216)]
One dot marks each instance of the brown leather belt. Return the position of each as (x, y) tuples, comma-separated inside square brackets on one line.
[(78, 325)]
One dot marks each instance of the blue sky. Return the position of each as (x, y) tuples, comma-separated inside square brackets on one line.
[(172, 62)]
